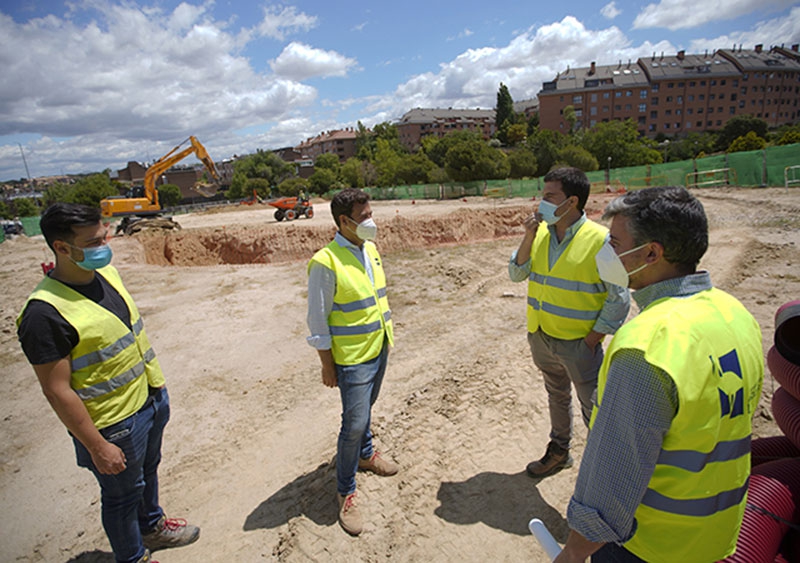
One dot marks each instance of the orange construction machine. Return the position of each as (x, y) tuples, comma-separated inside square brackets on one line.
[(140, 207)]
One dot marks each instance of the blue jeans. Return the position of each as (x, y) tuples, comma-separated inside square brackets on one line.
[(130, 499), (359, 386)]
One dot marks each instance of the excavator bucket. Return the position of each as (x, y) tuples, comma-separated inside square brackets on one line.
[(206, 190)]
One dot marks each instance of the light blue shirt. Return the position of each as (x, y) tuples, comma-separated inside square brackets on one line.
[(618, 301), (639, 403), (322, 288)]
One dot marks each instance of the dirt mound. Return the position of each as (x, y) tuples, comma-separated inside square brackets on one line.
[(265, 244)]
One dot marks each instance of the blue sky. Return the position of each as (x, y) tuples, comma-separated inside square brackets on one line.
[(89, 85)]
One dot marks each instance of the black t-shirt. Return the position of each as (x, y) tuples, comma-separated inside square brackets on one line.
[(46, 336)]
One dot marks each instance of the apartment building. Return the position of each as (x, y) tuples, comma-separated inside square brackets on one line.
[(341, 142), (677, 95), (420, 122)]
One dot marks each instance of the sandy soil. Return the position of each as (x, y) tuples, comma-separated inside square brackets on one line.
[(248, 453)]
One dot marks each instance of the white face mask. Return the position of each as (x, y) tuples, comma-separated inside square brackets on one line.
[(611, 268), (366, 229)]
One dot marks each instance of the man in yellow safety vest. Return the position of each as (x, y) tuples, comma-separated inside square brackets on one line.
[(351, 328), (665, 470), (82, 332)]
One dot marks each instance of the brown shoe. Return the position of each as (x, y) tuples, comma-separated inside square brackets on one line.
[(170, 532), (555, 459), (349, 516), (378, 465)]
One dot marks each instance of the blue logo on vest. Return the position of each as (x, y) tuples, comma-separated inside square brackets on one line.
[(731, 389)]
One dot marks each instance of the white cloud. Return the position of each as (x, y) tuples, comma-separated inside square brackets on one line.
[(685, 14), (610, 11), (278, 22), (299, 62), (763, 32)]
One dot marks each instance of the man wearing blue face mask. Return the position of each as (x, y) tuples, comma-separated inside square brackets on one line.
[(351, 328), (83, 335), (570, 309)]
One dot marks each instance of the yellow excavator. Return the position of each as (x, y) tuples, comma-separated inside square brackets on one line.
[(140, 208)]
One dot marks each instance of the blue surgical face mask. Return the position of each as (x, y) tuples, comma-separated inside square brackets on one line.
[(94, 257), (548, 211)]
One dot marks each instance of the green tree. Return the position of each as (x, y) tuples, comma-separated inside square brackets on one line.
[(739, 126), (545, 145), (436, 149), (266, 165), (292, 186), (516, 134), (789, 137), (621, 141), (262, 187), (25, 207), (387, 163), (169, 195), (503, 113), (5, 211), (90, 190), (522, 164), (238, 185), (322, 180), (748, 142), (473, 159), (55, 192), (351, 173), (570, 117), (415, 168), (327, 160), (578, 157)]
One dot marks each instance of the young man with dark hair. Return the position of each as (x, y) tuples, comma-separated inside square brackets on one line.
[(570, 309), (83, 335), (665, 470), (351, 328)]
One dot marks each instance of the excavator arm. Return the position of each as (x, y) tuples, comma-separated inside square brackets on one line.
[(170, 159)]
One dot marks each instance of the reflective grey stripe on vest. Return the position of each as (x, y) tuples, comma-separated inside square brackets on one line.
[(100, 389), (354, 305), (695, 507), (563, 311), (109, 351), (382, 292), (357, 329), (387, 316), (569, 285), (696, 461)]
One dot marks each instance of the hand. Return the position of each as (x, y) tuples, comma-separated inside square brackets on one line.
[(109, 459), (593, 339), (329, 378), (531, 223)]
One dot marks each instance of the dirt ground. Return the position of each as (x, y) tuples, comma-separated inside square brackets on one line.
[(248, 453)]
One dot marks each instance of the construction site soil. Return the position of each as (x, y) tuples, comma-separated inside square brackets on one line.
[(248, 454)]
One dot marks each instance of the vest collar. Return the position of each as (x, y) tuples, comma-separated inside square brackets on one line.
[(683, 286)]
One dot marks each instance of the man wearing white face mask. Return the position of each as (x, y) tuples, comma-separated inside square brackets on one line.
[(82, 332), (570, 309), (665, 470), (351, 328)]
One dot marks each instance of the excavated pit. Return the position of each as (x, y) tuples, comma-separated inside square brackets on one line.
[(280, 243)]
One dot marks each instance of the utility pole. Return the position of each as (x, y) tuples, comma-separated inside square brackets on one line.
[(25, 162)]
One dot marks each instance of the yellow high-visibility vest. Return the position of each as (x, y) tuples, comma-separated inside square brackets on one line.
[(361, 318), (565, 302), (710, 346), (112, 365)]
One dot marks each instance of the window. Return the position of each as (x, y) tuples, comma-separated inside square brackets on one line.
[(688, 124), (627, 107), (653, 115), (617, 107), (722, 83), (643, 94), (744, 76), (668, 112), (606, 95), (702, 83), (669, 99), (680, 100), (735, 83), (689, 111), (681, 84), (692, 84), (678, 112), (733, 97), (701, 97), (690, 97), (593, 97), (628, 93), (593, 110), (699, 110), (578, 99), (700, 124), (654, 88), (653, 101), (670, 84), (677, 125), (713, 82), (642, 108), (710, 110), (605, 109), (666, 126), (732, 110), (618, 94), (711, 96), (743, 91)]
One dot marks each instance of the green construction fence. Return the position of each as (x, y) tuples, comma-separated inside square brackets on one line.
[(757, 168)]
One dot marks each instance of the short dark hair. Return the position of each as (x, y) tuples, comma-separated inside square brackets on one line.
[(59, 218), (573, 183), (343, 202), (670, 216)]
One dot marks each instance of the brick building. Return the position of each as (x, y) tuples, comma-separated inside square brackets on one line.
[(419, 123), (680, 94), (341, 142)]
